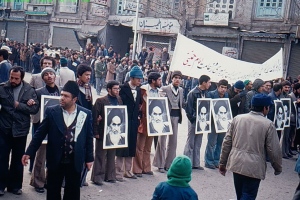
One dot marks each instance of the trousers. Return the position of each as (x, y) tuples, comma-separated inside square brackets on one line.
[(193, 145), (246, 188), (38, 176), (122, 164), (164, 154)]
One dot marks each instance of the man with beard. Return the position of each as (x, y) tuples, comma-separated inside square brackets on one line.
[(70, 144), (17, 101), (157, 124), (141, 161), (104, 166), (203, 124), (114, 134), (279, 120), (221, 110), (73, 63), (214, 140), (38, 177)]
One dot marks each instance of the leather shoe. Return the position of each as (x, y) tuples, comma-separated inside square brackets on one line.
[(110, 181), (1, 192), (293, 153), (120, 179), (85, 184), (39, 190), (138, 175), (148, 173), (161, 170), (128, 174), (98, 183), (285, 157), (15, 191), (210, 166), (200, 168), (289, 155)]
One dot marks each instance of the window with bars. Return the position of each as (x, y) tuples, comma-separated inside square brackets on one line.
[(120, 9), (68, 6), (270, 8), (18, 4), (166, 7), (221, 6)]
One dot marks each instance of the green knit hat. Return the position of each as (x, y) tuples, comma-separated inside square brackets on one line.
[(180, 172)]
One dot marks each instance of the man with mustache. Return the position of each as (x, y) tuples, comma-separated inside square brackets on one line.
[(17, 101)]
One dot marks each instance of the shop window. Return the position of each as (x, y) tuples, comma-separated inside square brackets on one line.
[(270, 8), (68, 6), (18, 4), (221, 6)]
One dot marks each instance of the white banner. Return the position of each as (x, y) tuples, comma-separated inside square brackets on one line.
[(194, 59)]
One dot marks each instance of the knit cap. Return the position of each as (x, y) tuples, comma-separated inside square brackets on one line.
[(136, 72), (176, 73), (246, 82), (261, 100), (179, 174), (239, 85), (47, 69), (63, 61)]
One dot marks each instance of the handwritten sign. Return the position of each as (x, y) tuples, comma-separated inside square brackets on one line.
[(230, 52), (116, 20), (194, 59), (157, 25), (131, 5), (219, 19)]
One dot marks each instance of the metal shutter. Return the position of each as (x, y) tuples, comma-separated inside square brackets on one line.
[(294, 63), (16, 31), (216, 46), (259, 52), (64, 37), (38, 33)]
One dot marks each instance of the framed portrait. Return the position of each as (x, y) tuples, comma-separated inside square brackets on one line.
[(158, 117), (203, 119), (47, 101), (286, 102), (297, 109), (221, 111), (279, 116), (115, 127)]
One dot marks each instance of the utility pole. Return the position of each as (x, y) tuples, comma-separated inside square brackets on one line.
[(135, 29)]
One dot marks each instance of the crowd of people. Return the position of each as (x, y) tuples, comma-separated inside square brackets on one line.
[(242, 145)]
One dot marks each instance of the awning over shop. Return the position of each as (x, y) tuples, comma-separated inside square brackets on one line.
[(86, 32)]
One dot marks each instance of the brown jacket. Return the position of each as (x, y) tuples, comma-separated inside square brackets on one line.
[(250, 137), (98, 109), (143, 121)]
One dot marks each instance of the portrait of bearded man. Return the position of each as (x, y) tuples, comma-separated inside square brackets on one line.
[(203, 119), (156, 119)]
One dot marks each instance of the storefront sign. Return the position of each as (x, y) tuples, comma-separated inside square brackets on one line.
[(99, 10), (219, 19), (116, 20), (157, 25)]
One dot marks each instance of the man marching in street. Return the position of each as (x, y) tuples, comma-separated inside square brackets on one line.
[(194, 141), (165, 154), (130, 94), (247, 142), (70, 144), (38, 176), (104, 166), (214, 140), (17, 101), (141, 161)]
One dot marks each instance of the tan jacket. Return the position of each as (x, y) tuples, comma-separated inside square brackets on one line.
[(250, 137)]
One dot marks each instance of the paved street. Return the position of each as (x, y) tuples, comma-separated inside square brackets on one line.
[(208, 184)]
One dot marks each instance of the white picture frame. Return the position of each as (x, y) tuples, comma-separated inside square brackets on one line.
[(203, 121), (221, 127), (116, 120), (279, 116), (46, 101), (297, 113), (162, 117), (286, 102)]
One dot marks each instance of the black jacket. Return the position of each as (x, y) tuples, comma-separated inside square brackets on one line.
[(191, 104), (17, 119), (53, 125)]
